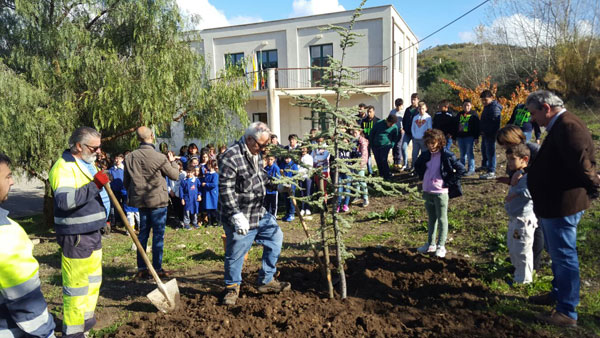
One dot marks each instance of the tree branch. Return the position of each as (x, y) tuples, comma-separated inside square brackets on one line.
[(121, 134), (91, 23), (180, 116), (66, 12)]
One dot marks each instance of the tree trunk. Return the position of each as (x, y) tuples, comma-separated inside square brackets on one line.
[(338, 237), (48, 205), (324, 242)]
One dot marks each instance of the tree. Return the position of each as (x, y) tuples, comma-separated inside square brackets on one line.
[(338, 79), (111, 64)]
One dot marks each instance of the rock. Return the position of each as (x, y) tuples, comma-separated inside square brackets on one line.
[(180, 246), (35, 241)]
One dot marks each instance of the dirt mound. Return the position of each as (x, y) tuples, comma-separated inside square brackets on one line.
[(391, 293)]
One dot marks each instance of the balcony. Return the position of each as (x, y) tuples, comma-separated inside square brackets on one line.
[(296, 78)]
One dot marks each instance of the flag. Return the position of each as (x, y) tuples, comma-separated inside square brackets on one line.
[(254, 73)]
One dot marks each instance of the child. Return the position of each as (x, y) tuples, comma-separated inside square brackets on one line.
[(467, 135), (173, 190), (344, 181), (289, 170), (321, 160), (421, 123), (522, 221), (440, 171), (445, 121), (188, 192), (271, 197), (210, 192), (407, 119), (362, 146), (306, 183), (116, 173), (204, 157)]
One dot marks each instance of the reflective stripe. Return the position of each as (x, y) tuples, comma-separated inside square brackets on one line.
[(88, 315), (95, 279), (73, 329), (80, 220), (35, 323), (74, 292), (22, 289), (11, 333), (70, 192)]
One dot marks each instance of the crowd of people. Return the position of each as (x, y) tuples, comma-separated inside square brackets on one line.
[(549, 189)]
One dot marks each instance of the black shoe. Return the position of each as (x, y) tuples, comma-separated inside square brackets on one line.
[(142, 274), (543, 299), (274, 286)]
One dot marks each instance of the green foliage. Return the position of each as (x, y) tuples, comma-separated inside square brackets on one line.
[(113, 65), (388, 215)]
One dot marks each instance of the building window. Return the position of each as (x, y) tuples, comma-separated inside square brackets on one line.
[(400, 58), (234, 59), (266, 59), (259, 117), (318, 58), (320, 120)]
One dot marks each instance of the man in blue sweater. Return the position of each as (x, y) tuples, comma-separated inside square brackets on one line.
[(489, 125)]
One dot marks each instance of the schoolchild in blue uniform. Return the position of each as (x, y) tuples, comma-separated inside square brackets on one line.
[(289, 169), (210, 192), (188, 192), (273, 172)]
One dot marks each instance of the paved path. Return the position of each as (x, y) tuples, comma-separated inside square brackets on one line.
[(26, 197)]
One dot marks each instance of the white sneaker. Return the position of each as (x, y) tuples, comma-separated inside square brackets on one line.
[(301, 212), (307, 212), (441, 252), (427, 248)]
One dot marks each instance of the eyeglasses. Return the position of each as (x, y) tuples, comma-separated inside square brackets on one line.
[(93, 149), (262, 146)]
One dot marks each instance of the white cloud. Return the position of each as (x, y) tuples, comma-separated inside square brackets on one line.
[(202, 15), (312, 7), (468, 36)]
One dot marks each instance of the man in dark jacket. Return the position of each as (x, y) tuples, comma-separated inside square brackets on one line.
[(467, 134), (562, 180), (383, 137), (489, 124), (445, 121), (367, 125), (409, 115), (144, 180)]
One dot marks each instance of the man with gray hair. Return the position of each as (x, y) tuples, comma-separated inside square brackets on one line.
[(562, 180), (81, 208), (144, 180), (242, 188)]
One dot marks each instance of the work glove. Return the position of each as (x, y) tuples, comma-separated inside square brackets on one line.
[(241, 224), (101, 179)]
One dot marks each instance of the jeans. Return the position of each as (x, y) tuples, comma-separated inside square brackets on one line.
[(189, 217), (362, 186), (345, 183), (465, 145), (528, 135), (369, 162), (448, 143), (561, 239), (397, 153), (418, 147), (405, 141), (306, 186), (155, 219), (488, 147), (268, 234), (291, 210), (381, 157), (437, 211)]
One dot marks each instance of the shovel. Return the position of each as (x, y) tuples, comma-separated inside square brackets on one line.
[(166, 296)]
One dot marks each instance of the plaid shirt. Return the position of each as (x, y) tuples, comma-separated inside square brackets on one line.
[(242, 186)]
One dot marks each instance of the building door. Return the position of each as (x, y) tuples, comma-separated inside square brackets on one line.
[(266, 59), (318, 58)]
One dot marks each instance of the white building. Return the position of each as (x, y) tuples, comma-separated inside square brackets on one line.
[(385, 55)]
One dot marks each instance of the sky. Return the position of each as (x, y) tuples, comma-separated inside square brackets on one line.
[(423, 17)]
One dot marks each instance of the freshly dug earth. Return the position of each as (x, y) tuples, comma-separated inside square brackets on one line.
[(391, 293)]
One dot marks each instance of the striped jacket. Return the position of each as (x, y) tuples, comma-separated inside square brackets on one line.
[(23, 309), (242, 185), (78, 207)]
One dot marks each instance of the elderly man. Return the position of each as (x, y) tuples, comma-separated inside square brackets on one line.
[(562, 179), (81, 208), (144, 180), (242, 188), (23, 309)]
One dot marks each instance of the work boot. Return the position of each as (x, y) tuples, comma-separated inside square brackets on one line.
[(274, 286), (543, 299), (232, 293), (557, 319), (142, 274)]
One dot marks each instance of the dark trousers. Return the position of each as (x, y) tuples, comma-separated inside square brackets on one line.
[(306, 186), (381, 157), (176, 209), (271, 203), (538, 246)]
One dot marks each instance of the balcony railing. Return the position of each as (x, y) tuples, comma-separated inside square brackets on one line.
[(294, 78)]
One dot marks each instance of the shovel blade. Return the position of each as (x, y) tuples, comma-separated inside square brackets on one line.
[(169, 303)]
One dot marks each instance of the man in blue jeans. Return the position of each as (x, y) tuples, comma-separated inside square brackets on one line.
[(489, 126), (562, 180), (144, 180), (242, 188)]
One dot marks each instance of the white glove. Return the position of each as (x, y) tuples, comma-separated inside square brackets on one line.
[(241, 223)]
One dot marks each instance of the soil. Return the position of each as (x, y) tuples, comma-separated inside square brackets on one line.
[(392, 293)]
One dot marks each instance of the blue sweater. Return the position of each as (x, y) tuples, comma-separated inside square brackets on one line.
[(289, 170), (273, 172), (210, 191)]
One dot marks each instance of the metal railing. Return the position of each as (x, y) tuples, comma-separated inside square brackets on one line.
[(310, 78)]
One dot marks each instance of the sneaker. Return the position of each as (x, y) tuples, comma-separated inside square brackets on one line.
[(232, 293), (470, 173), (427, 248), (365, 203), (557, 319), (345, 208), (338, 209), (288, 218), (274, 286), (440, 252), (302, 213), (187, 227), (307, 212), (487, 176), (543, 299)]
